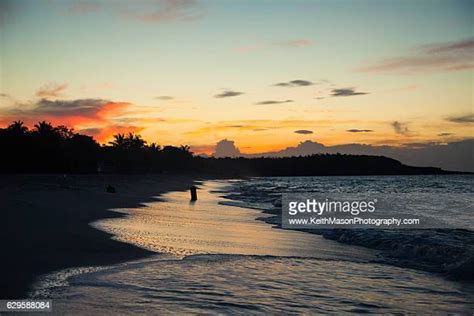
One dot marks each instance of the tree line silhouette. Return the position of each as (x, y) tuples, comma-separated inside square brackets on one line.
[(49, 149)]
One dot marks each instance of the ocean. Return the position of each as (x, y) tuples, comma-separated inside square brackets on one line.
[(225, 253)]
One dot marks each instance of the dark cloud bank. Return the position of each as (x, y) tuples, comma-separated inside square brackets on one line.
[(454, 156)]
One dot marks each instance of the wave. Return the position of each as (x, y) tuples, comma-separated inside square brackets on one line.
[(249, 284), (446, 251), (443, 251)]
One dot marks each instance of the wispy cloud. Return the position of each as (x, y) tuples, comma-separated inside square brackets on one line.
[(355, 130), (164, 97), (303, 131), (440, 57), (445, 134), (400, 128), (227, 94), (273, 102), (346, 92), (157, 11), (462, 119), (262, 45), (51, 90), (294, 83)]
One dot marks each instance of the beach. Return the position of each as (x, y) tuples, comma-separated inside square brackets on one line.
[(213, 257), (45, 222)]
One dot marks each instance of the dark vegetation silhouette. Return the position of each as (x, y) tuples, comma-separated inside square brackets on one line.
[(49, 149)]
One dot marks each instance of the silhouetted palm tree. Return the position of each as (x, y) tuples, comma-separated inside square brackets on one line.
[(44, 128), (185, 148), (131, 141), (119, 141), (154, 147), (17, 128), (135, 141), (64, 132)]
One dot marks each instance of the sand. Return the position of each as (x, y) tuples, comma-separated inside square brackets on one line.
[(45, 222)]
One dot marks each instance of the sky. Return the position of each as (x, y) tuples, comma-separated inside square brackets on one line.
[(265, 74)]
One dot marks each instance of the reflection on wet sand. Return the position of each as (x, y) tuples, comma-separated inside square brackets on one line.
[(177, 226)]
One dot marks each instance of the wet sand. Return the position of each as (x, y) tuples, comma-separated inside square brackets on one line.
[(181, 228), (45, 222)]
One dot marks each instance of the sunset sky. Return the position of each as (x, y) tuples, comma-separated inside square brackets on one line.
[(265, 74)]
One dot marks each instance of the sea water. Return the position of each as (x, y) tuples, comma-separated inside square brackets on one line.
[(216, 257)]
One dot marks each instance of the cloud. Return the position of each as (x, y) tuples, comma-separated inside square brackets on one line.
[(84, 7), (462, 119), (455, 156), (296, 43), (228, 93), (164, 97), (273, 102), (445, 134), (66, 112), (79, 107), (51, 90), (440, 57), (346, 92), (355, 130), (450, 47), (156, 11), (151, 11), (93, 131), (4, 95), (303, 131), (400, 128), (261, 45), (294, 83), (226, 148)]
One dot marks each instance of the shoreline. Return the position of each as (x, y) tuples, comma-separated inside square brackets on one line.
[(46, 224), (444, 252), (216, 248)]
